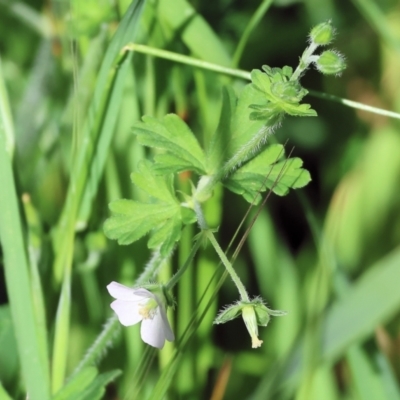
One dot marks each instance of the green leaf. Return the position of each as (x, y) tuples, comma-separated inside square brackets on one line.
[(162, 216), (77, 384), (3, 394), (243, 129), (365, 375), (167, 234), (188, 216), (280, 94), (8, 347), (35, 370), (371, 301), (158, 187), (96, 389), (131, 220), (268, 171), (173, 136), (185, 23)]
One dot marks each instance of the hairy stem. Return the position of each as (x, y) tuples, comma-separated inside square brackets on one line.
[(237, 73)]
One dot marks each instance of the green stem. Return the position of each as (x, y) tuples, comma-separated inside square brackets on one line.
[(174, 280), (200, 216), (194, 62), (237, 73), (304, 62), (355, 104), (235, 277)]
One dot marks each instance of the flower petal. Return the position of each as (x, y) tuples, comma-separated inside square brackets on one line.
[(141, 292), (123, 292), (152, 331), (128, 313), (169, 335)]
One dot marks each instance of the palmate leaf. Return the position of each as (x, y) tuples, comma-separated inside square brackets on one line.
[(130, 220), (171, 134), (268, 171), (281, 94), (242, 128), (163, 216), (156, 186)]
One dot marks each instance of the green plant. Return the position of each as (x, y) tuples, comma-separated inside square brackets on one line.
[(221, 139)]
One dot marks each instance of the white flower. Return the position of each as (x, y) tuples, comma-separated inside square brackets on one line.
[(134, 305)]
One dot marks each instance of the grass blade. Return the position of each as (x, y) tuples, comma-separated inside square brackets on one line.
[(90, 160), (35, 372)]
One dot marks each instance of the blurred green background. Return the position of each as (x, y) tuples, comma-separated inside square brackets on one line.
[(327, 254)]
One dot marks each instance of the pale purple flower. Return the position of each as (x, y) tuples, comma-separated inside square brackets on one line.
[(135, 305)]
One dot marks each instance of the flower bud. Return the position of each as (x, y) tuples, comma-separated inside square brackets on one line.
[(250, 320), (254, 312), (330, 63), (322, 34)]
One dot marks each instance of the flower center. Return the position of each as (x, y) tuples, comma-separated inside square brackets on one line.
[(149, 309)]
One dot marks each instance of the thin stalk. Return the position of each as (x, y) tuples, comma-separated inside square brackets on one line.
[(182, 59), (235, 277), (354, 104), (304, 62), (237, 73), (174, 280), (254, 21)]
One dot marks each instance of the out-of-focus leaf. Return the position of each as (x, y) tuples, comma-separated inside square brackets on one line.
[(388, 377), (77, 384), (373, 299), (365, 377), (3, 394), (220, 140), (8, 346), (204, 43), (365, 201), (96, 389)]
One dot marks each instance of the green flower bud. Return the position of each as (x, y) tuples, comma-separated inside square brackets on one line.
[(250, 320), (255, 313), (330, 63), (322, 34)]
